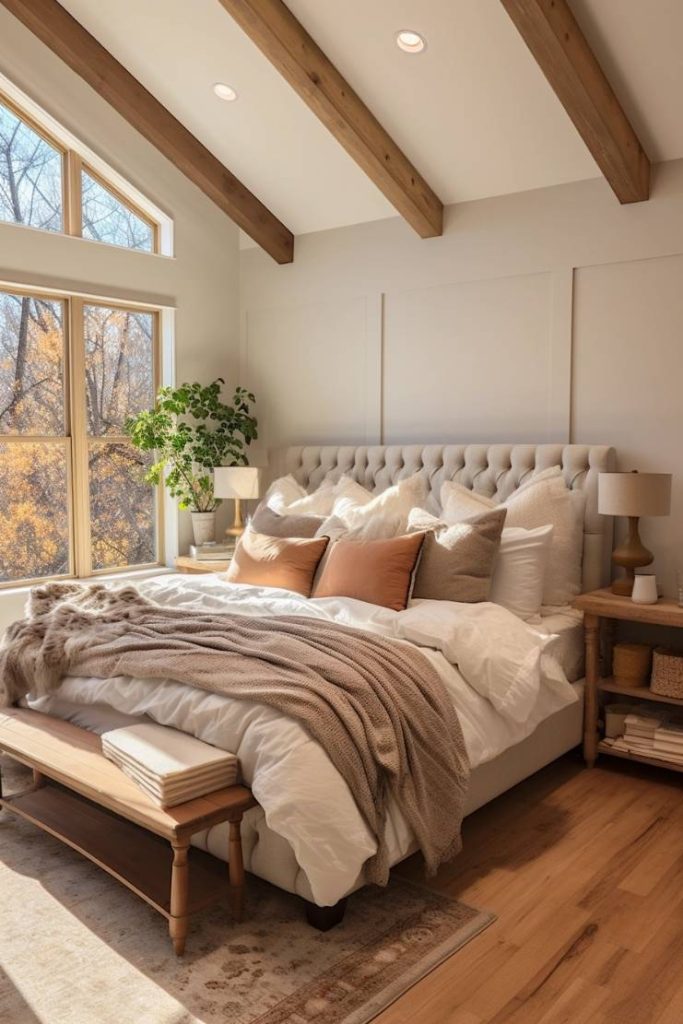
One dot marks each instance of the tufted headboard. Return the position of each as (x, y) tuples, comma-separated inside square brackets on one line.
[(495, 470)]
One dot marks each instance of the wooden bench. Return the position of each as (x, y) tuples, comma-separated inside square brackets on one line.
[(101, 813)]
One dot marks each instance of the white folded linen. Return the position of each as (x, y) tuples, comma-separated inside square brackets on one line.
[(170, 766), (169, 785)]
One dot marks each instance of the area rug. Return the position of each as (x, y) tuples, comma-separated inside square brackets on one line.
[(78, 948)]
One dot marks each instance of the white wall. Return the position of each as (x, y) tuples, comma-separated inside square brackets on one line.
[(200, 282), (553, 315)]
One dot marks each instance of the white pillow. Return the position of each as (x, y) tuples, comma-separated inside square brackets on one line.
[(286, 497), (519, 571), (380, 516), (282, 492), (544, 500)]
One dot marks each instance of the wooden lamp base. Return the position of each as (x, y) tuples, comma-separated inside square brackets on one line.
[(630, 555)]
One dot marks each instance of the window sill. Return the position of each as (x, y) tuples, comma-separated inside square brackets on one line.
[(134, 574)]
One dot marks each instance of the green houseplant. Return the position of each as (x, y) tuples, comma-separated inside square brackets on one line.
[(190, 430)]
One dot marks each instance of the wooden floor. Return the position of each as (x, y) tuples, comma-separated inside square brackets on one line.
[(585, 872)]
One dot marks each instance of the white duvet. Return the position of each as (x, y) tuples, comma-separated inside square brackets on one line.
[(307, 835)]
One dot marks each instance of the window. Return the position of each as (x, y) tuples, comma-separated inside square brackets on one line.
[(106, 218), (72, 498), (47, 185), (31, 175)]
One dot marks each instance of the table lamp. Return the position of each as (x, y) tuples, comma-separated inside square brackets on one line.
[(239, 483), (633, 495)]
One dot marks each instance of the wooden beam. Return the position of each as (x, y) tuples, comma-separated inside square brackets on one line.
[(554, 37), (66, 37), (287, 45)]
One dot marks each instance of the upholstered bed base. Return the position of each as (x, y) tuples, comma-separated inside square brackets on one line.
[(495, 470)]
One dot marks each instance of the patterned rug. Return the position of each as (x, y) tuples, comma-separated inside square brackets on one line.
[(78, 948)]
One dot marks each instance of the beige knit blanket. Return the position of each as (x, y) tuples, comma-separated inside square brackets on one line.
[(376, 706)]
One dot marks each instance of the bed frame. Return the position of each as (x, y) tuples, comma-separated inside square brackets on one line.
[(495, 470)]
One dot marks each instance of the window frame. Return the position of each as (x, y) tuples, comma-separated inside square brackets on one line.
[(73, 163), (75, 441)]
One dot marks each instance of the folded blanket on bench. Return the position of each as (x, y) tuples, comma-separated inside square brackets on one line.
[(376, 706)]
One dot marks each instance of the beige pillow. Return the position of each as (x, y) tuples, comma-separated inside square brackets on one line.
[(272, 524), (544, 501), (276, 562), (457, 561), (377, 571)]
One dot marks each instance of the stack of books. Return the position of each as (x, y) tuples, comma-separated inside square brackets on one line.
[(169, 766), (656, 734), (212, 552)]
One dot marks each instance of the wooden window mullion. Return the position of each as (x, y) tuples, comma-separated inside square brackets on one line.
[(79, 440)]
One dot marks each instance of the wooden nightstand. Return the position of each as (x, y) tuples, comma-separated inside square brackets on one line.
[(184, 563), (601, 610)]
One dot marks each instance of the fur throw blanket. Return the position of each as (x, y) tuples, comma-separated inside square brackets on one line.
[(376, 706)]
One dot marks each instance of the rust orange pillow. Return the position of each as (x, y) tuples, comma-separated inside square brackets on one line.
[(377, 571), (289, 563)]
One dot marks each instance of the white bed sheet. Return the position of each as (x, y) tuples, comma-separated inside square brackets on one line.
[(569, 649), (307, 835)]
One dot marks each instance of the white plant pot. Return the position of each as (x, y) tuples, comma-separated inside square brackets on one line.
[(204, 527)]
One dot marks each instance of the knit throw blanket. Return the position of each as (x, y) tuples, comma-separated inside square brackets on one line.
[(376, 706)]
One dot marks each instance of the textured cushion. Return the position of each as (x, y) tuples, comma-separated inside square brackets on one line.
[(377, 571), (457, 561), (272, 524), (543, 501), (276, 562)]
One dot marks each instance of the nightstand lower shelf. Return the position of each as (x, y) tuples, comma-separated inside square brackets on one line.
[(609, 685), (625, 755)]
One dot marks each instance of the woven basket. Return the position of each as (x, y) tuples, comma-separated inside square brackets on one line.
[(631, 664), (667, 673)]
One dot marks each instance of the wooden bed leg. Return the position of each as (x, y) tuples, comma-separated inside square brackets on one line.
[(178, 922), (236, 869), (324, 918)]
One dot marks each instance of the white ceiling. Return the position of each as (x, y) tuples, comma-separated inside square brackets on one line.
[(473, 112)]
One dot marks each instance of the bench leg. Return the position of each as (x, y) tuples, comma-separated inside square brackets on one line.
[(236, 868), (180, 878)]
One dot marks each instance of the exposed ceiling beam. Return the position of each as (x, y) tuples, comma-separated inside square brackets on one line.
[(298, 58), (66, 37), (554, 37)]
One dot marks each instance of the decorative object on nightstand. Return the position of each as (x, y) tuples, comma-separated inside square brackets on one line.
[(633, 495), (645, 588), (241, 483), (632, 664), (601, 610), (667, 673)]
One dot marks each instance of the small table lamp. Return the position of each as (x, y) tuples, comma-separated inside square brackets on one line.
[(633, 495), (239, 483)]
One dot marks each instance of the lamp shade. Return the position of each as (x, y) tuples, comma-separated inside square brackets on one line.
[(237, 482), (634, 494)]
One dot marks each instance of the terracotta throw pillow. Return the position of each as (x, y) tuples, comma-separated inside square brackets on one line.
[(276, 562), (377, 571), (272, 524), (457, 561)]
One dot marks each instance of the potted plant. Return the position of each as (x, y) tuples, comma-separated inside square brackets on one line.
[(191, 430)]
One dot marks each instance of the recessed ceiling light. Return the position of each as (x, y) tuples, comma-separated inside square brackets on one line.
[(409, 41), (225, 92)]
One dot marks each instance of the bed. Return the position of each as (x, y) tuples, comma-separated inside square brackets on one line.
[(306, 836)]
